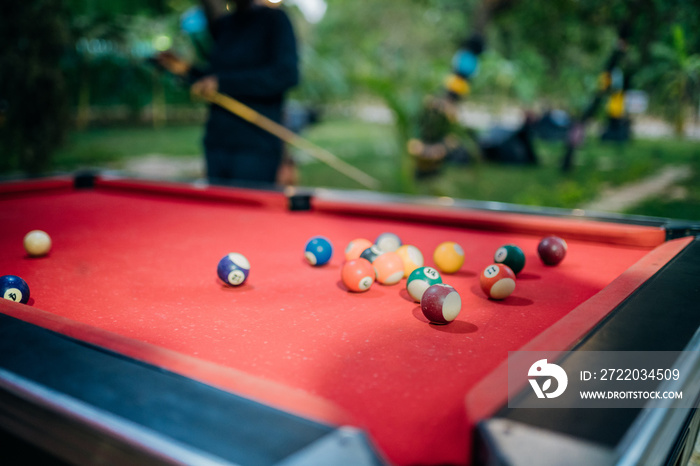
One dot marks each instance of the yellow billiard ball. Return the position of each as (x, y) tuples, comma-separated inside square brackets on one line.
[(37, 243), (448, 257)]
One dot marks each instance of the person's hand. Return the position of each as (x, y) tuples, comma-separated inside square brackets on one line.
[(172, 63), (206, 86)]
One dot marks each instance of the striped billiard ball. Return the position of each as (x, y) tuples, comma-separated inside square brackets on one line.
[(420, 280), (497, 281), (412, 258), (441, 304)]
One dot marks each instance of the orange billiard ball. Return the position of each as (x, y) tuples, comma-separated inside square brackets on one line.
[(497, 281), (357, 275)]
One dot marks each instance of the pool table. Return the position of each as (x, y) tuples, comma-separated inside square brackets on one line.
[(131, 349)]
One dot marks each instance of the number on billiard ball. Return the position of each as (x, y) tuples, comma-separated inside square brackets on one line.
[(441, 304), (233, 269), (497, 281), (552, 250), (318, 251), (14, 289), (512, 256), (357, 275), (420, 280)]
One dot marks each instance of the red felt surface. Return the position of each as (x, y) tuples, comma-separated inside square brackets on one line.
[(143, 266)]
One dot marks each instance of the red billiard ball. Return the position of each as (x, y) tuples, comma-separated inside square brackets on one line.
[(441, 304), (357, 275), (389, 267), (552, 250), (497, 281)]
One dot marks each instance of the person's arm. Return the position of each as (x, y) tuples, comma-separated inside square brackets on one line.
[(278, 75)]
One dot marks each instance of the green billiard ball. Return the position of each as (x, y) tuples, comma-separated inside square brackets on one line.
[(420, 280), (512, 256)]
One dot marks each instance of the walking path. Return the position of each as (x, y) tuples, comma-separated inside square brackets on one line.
[(624, 197)]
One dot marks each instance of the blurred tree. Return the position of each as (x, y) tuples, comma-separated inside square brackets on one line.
[(32, 86)]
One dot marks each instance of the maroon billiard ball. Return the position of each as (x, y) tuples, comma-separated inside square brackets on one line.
[(552, 250), (441, 303)]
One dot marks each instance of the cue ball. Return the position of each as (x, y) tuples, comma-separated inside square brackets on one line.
[(420, 280), (389, 267), (448, 257), (497, 281), (552, 250), (512, 256), (357, 275), (412, 258), (355, 248), (14, 289), (233, 269), (37, 243), (318, 250), (441, 304), (388, 242)]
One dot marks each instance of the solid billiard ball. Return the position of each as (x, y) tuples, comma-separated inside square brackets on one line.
[(420, 280), (448, 257), (357, 274), (37, 243), (497, 281), (233, 269), (412, 258), (318, 250), (512, 256), (552, 250), (355, 248), (388, 242), (14, 289), (441, 304), (389, 267), (371, 253)]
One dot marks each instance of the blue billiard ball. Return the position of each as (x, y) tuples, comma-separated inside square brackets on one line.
[(14, 288), (233, 269), (318, 250)]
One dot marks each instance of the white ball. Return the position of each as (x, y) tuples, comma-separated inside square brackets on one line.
[(37, 243)]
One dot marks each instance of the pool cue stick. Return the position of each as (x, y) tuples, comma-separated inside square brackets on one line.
[(288, 136)]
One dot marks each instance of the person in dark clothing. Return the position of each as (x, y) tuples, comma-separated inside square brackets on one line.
[(254, 60)]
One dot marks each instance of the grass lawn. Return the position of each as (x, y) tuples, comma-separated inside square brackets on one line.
[(374, 148)]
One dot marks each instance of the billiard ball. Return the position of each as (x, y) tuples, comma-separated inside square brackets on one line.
[(14, 289), (37, 243), (355, 248), (371, 253), (389, 267), (448, 257), (441, 304), (552, 250), (318, 250), (497, 281), (512, 256), (420, 280), (388, 242), (233, 269), (412, 258), (357, 275)]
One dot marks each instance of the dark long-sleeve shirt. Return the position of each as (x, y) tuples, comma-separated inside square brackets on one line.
[(255, 60)]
